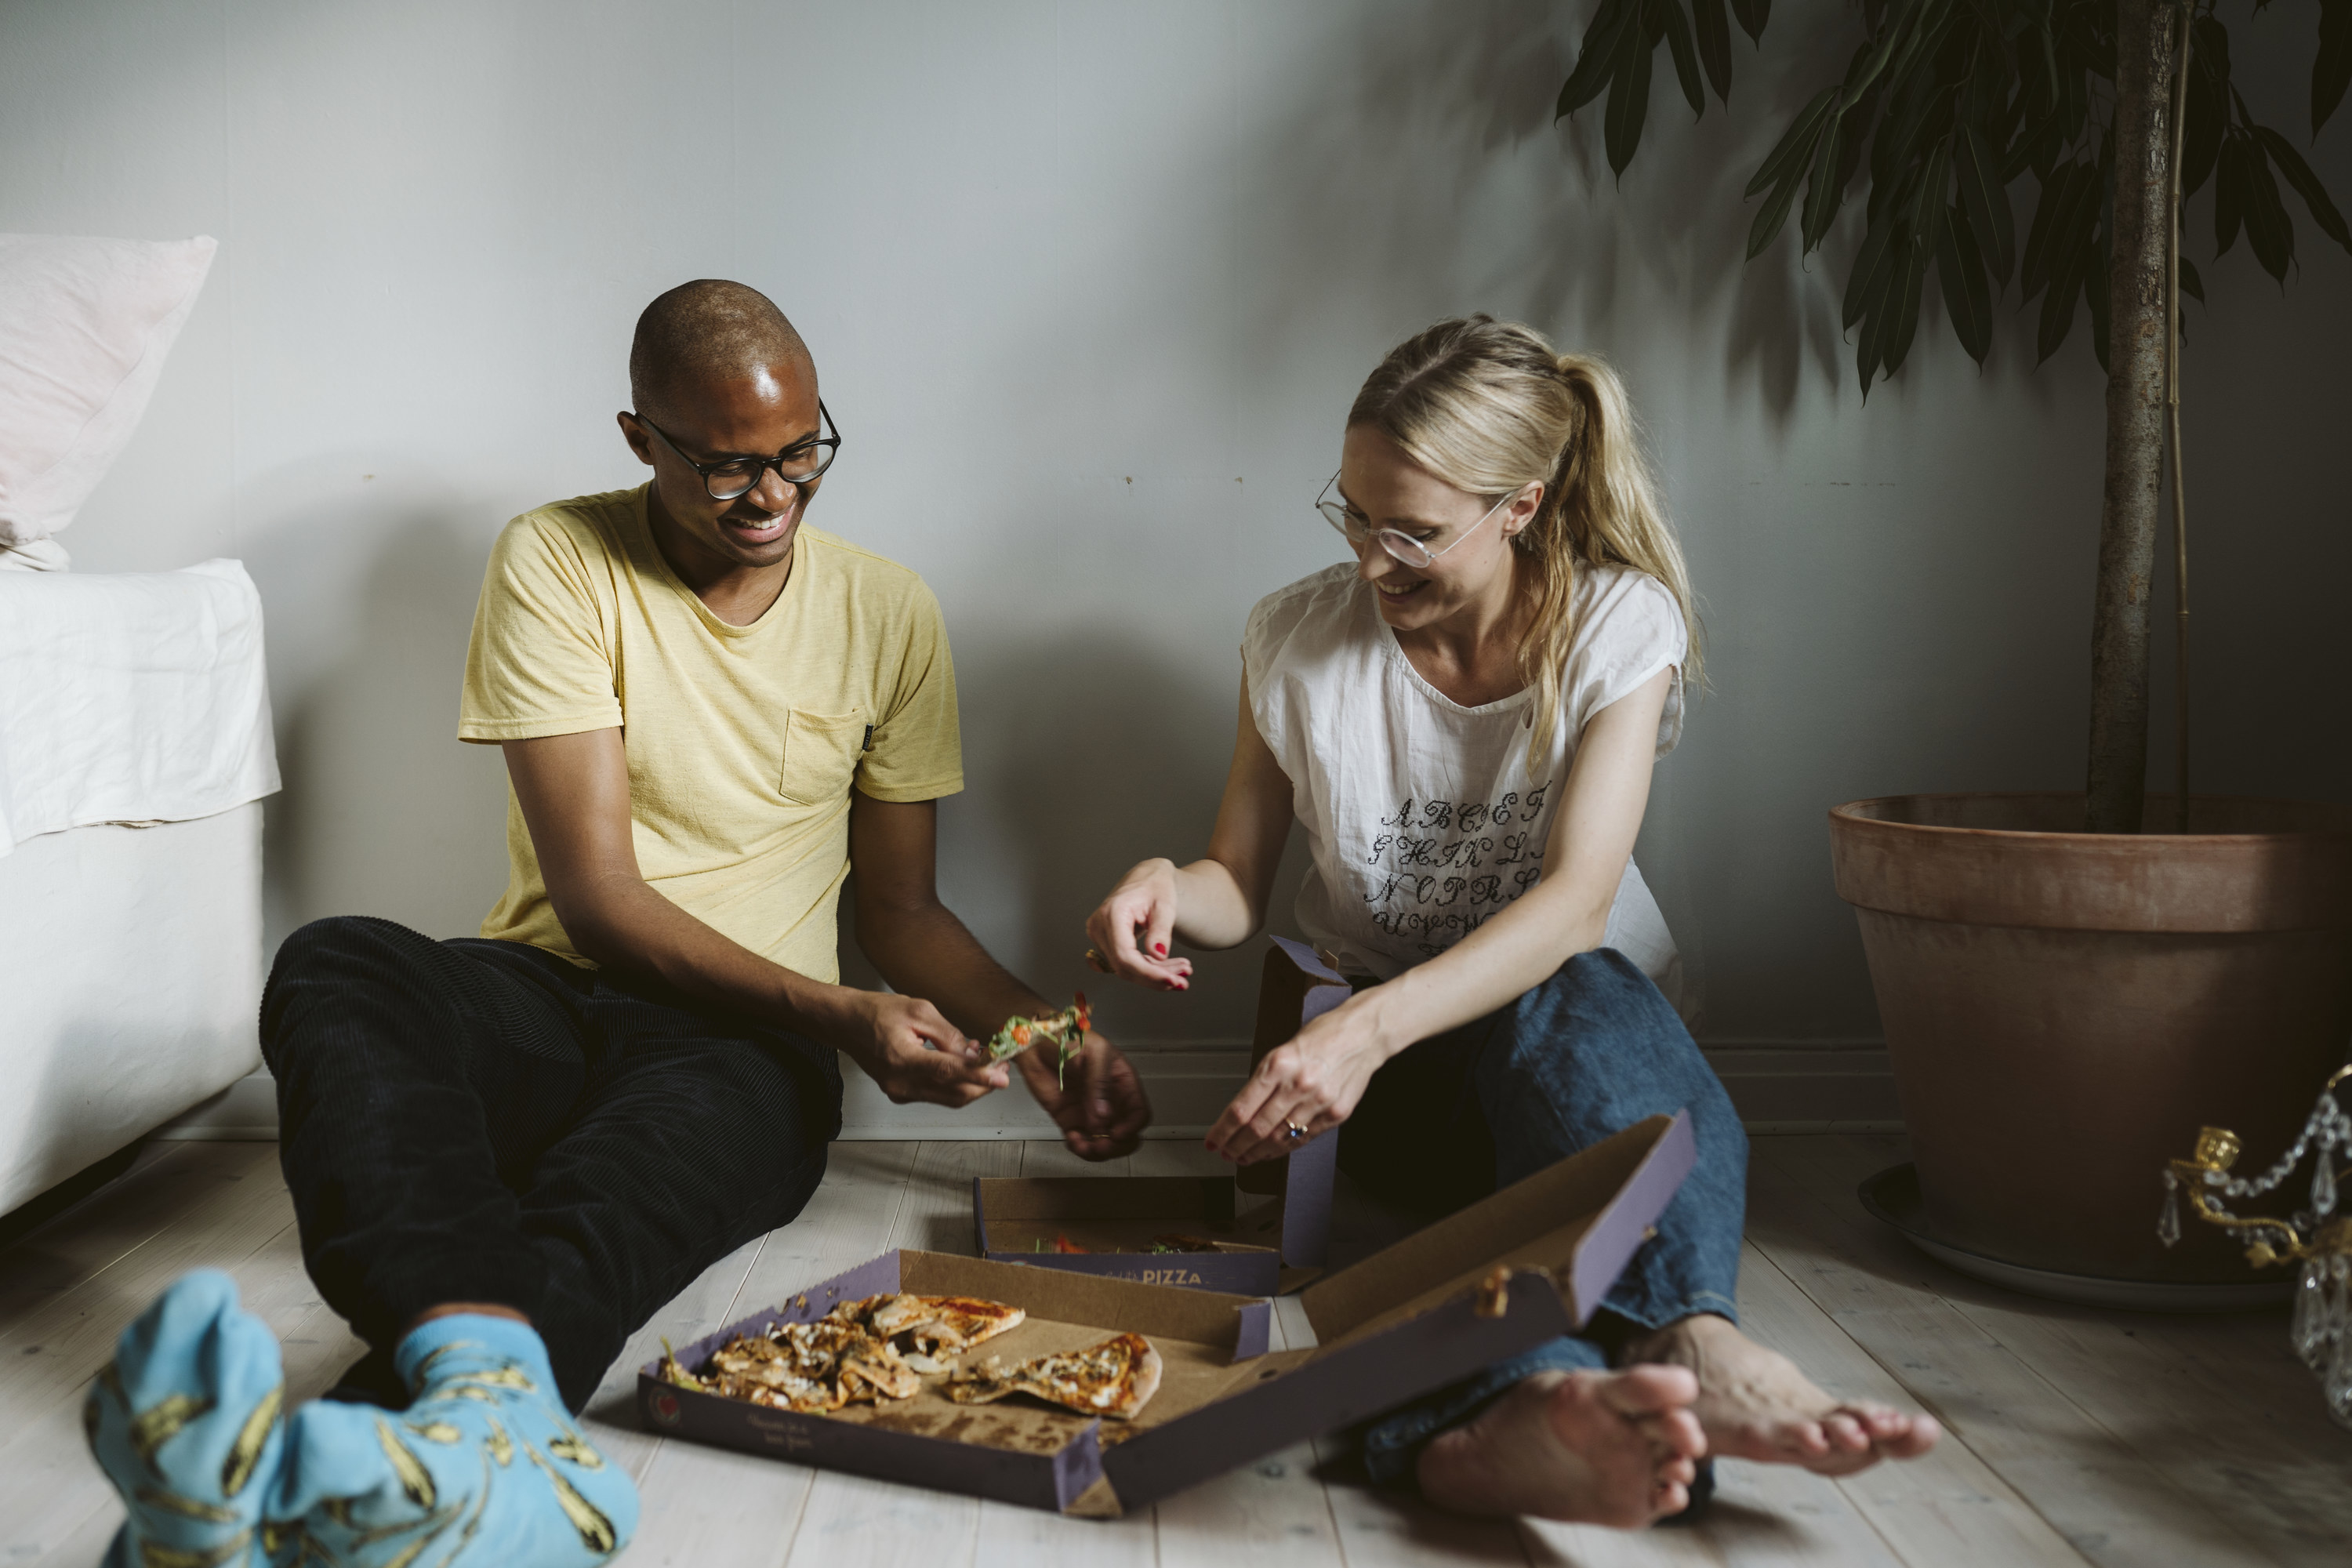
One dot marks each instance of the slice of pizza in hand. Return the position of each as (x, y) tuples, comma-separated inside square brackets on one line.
[(1066, 1030), (1116, 1378)]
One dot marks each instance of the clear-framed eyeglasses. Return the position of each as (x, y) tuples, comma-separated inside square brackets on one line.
[(798, 464), (1357, 530)]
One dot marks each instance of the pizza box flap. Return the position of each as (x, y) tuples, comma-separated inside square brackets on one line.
[(1579, 1221)]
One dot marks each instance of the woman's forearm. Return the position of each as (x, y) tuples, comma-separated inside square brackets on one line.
[(1511, 955), (1213, 909)]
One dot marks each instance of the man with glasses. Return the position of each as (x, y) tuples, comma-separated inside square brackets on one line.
[(506, 1154)]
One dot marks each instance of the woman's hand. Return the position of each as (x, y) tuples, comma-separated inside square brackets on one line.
[(1132, 927), (1313, 1082)]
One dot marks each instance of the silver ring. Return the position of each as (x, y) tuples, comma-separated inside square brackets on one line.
[(1296, 1130)]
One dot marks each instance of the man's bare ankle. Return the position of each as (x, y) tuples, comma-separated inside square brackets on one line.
[(474, 1308)]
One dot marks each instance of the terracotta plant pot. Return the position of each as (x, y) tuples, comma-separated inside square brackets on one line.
[(2066, 1009)]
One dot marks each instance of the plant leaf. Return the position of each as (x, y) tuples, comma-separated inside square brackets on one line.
[(2333, 67), (1968, 301), (1872, 260), (1596, 57), (2191, 283), (1902, 301), (1985, 201), (1628, 98), (1931, 25), (1873, 57), (2307, 185), (1752, 15), (2099, 293), (1795, 147), (2054, 216), (2230, 180), (2071, 256), (1713, 45), (1874, 319), (1823, 193), (1774, 213), (1686, 53), (1854, 129), (1929, 201), (2268, 229)]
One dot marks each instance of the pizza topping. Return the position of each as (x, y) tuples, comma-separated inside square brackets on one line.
[(1066, 1029), (1178, 1242), (873, 1348), (1114, 1378), (935, 1322)]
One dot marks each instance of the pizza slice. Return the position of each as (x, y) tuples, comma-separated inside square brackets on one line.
[(813, 1367), (1066, 1029), (1114, 1378), (935, 1324)]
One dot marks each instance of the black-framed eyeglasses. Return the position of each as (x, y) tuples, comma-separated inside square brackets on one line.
[(798, 464)]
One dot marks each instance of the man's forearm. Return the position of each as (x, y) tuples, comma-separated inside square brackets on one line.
[(927, 952), (628, 927)]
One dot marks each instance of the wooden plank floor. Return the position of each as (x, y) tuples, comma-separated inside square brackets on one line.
[(2076, 1437)]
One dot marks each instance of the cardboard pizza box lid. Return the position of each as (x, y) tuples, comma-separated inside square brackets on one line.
[(1526, 1265)]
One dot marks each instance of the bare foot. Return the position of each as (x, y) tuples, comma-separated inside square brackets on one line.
[(1594, 1447), (1755, 1405)]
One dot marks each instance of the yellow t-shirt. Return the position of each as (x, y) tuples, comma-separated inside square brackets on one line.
[(742, 741)]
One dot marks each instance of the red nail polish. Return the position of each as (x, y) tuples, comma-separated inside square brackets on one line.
[(1160, 948)]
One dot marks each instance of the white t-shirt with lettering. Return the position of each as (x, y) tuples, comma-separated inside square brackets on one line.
[(1423, 817)]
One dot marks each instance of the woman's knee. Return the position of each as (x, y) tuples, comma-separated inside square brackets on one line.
[(1597, 1048)]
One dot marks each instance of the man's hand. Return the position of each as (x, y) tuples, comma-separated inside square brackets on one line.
[(909, 1047), (1099, 1102)]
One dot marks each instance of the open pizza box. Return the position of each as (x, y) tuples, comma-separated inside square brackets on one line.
[(1127, 1225), (1527, 1265)]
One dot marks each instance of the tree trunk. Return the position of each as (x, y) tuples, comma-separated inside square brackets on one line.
[(2146, 53)]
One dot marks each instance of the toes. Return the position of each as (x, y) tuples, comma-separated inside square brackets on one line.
[(1923, 1433), (1805, 1438), (1675, 1432), (1845, 1432), (1649, 1389)]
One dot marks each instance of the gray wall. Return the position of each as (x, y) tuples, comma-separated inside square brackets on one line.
[(1090, 287)]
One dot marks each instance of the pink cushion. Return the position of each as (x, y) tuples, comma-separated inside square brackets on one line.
[(85, 325)]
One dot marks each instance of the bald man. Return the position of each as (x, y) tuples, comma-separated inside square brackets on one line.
[(506, 1154)]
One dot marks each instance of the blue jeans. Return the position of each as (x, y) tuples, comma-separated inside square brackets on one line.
[(1584, 1054)]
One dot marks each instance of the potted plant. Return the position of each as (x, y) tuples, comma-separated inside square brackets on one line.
[(2069, 984)]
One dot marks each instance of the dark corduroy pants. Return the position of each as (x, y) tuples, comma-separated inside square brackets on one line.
[(484, 1121)]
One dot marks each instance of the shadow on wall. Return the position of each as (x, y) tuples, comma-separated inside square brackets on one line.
[(384, 812), (1096, 760), (1453, 95)]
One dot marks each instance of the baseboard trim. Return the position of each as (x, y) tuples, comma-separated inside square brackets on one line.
[(1779, 1086), (244, 1112)]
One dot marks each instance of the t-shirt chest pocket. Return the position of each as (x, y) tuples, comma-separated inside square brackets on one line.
[(821, 752)]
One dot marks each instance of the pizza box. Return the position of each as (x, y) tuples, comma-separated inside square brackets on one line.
[(1522, 1266), (1273, 1249)]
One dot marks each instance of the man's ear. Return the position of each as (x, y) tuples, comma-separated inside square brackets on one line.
[(635, 435)]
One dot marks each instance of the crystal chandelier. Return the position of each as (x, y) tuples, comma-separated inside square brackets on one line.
[(2317, 1237)]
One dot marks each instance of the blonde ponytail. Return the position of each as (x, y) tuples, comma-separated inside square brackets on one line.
[(1487, 407)]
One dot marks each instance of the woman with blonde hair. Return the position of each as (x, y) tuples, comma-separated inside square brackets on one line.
[(1465, 721)]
